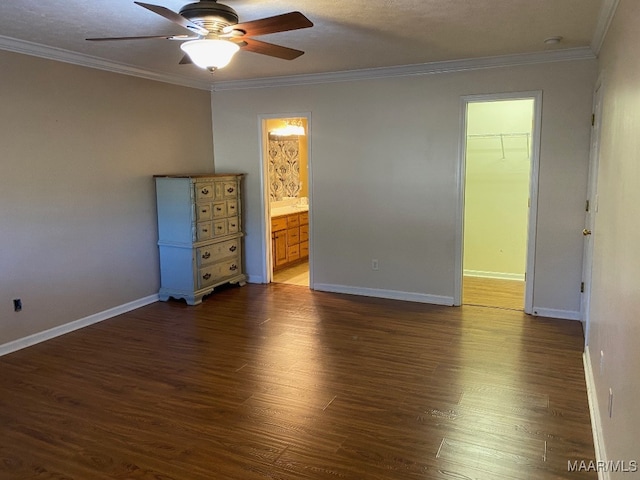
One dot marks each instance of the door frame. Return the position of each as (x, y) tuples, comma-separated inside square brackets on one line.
[(590, 213), (536, 95), (265, 205)]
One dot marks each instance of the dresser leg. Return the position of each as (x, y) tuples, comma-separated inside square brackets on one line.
[(194, 300)]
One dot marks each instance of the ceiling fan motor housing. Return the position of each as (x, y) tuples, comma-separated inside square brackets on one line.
[(210, 14), (215, 28)]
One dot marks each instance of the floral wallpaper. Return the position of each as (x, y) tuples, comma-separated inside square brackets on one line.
[(284, 167)]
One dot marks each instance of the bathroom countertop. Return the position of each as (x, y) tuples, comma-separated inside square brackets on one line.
[(288, 210)]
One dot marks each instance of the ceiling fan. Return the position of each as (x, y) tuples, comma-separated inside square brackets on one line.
[(216, 34)]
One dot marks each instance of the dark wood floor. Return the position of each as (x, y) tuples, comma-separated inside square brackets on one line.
[(280, 382)]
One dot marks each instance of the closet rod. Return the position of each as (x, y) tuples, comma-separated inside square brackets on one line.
[(502, 137), (492, 135)]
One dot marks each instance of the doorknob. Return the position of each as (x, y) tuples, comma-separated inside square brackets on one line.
[(586, 232)]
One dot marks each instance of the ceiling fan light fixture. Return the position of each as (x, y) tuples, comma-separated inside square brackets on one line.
[(210, 54)]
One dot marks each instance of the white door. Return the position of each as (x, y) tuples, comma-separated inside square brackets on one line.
[(591, 207)]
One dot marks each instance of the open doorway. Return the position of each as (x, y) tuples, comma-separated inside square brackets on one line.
[(498, 209), (286, 177)]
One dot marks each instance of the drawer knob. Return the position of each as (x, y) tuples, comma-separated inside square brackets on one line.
[(233, 225), (230, 189), (219, 227), (205, 230), (233, 248), (218, 209), (233, 267), (204, 211), (206, 276), (205, 191), (206, 255)]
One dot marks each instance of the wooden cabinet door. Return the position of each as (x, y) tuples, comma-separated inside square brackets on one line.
[(280, 248)]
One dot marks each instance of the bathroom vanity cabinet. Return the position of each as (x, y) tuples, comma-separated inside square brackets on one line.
[(290, 239)]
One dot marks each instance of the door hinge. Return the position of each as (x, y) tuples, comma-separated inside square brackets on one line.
[(582, 287), (593, 119), (587, 206)]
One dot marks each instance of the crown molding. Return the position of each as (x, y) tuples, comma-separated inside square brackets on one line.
[(583, 53), (66, 56), (607, 12)]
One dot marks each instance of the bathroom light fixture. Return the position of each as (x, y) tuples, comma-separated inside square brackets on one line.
[(292, 127), (288, 131), (210, 53)]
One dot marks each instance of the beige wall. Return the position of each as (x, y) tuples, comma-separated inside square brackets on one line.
[(384, 164), (78, 148), (615, 302), (497, 188)]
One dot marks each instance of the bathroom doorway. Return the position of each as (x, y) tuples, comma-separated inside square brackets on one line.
[(286, 178), (499, 192)]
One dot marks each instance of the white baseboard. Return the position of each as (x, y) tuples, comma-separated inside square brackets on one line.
[(499, 275), (553, 313), (594, 413), (74, 325), (390, 294)]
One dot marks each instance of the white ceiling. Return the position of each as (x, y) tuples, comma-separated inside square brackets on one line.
[(347, 34)]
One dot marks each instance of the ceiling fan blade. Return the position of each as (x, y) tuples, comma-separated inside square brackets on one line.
[(270, 49), (146, 37), (279, 23), (186, 60), (174, 17)]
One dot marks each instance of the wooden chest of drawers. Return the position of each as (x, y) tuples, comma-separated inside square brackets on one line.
[(199, 234)]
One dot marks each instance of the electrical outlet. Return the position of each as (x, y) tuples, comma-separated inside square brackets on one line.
[(17, 304), (374, 264)]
